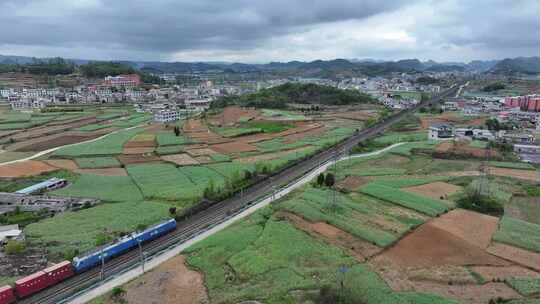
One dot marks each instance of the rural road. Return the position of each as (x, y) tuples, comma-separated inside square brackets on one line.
[(39, 154), (158, 259)]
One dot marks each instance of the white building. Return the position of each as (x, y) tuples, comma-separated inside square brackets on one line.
[(165, 116), (441, 131)]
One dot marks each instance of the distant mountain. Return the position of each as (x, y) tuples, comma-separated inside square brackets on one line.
[(520, 65), (320, 68)]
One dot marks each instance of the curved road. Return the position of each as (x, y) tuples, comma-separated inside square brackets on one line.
[(208, 220)]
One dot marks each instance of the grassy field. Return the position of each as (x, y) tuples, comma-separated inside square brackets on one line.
[(393, 138), (164, 181), (109, 145), (202, 176), (355, 213), (232, 169), (518, 233), (407, 149), (419, 203), (275, 258), (526, 287), (168, 138), (107, 188), (74, 230), (97, 162), (218, 157), (511, 165), (525, 208), (165, 150), (92, 127)]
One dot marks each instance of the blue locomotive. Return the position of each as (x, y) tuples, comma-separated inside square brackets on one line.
[(124, 244)]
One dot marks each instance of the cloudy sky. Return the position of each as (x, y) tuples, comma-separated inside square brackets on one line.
[(270, 30)]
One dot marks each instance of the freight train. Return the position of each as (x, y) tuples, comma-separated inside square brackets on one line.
[(48, 277)]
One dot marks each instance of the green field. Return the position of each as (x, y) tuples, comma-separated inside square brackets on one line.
[(511, 165), (218, 157), (355, 213), (165, 150), (526, 287), (107, 188), (110, 145), (202, 176), (97, 162), (402, 182), (232, 169), (165, 182), (394, 138), (275, 258), (518, 233), (237, 131), (78, 230), (168, 138), (419, 203), (92, 127)]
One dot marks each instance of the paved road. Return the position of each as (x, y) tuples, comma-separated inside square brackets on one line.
[(219, 213)]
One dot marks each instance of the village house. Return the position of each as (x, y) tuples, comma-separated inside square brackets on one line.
[(441, 131)]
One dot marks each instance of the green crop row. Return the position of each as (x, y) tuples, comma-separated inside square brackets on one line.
[(518, 233), (97, 162), (419, 203), (525, 286)]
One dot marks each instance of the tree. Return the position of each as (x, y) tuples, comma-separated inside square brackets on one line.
[(330, 180), (14, 247), (320, 179), (172, 211)]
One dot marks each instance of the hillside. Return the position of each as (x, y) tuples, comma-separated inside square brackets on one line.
[(280, 96), (520, 65)]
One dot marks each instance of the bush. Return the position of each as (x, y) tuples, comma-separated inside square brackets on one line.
[(14, 247), (481, 203)]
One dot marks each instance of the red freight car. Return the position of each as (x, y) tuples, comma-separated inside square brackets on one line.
[(31, 284), (58, 272), (6, 295)]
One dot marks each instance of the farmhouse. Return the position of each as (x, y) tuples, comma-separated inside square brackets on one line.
[(50, 184), (9, 202), (441, 131), (516, 138), (10, 232)]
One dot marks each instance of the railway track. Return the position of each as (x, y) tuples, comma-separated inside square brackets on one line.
[(216, 214)]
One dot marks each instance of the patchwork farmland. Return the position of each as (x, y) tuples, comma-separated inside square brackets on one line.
[(392, 229), (399, 228)]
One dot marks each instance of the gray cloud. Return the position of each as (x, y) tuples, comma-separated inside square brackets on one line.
[(257, 30)]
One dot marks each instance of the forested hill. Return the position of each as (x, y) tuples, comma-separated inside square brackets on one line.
[(281, 96)]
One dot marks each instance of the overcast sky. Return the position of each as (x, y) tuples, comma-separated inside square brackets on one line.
[(270, 30)]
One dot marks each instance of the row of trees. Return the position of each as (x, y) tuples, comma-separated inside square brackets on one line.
[(54, 66)]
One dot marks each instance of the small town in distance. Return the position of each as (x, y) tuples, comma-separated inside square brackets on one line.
[(214, 167)]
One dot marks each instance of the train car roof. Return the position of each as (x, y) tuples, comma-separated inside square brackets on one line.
[(5, 288), (57, 266), (128, 237), (30, 277)]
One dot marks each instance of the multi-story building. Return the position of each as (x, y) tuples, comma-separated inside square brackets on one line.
[(165, 116), (529, 103), (127, 80)]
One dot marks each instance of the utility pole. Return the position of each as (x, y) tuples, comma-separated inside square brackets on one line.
[(102, 271), (141, 254)]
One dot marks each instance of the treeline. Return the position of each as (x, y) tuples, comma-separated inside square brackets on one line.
[(102, 69), (279, 97), (54, 66)]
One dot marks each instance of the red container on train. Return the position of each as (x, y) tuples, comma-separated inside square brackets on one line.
[(31, 284), (58, 272), (6, 295)]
